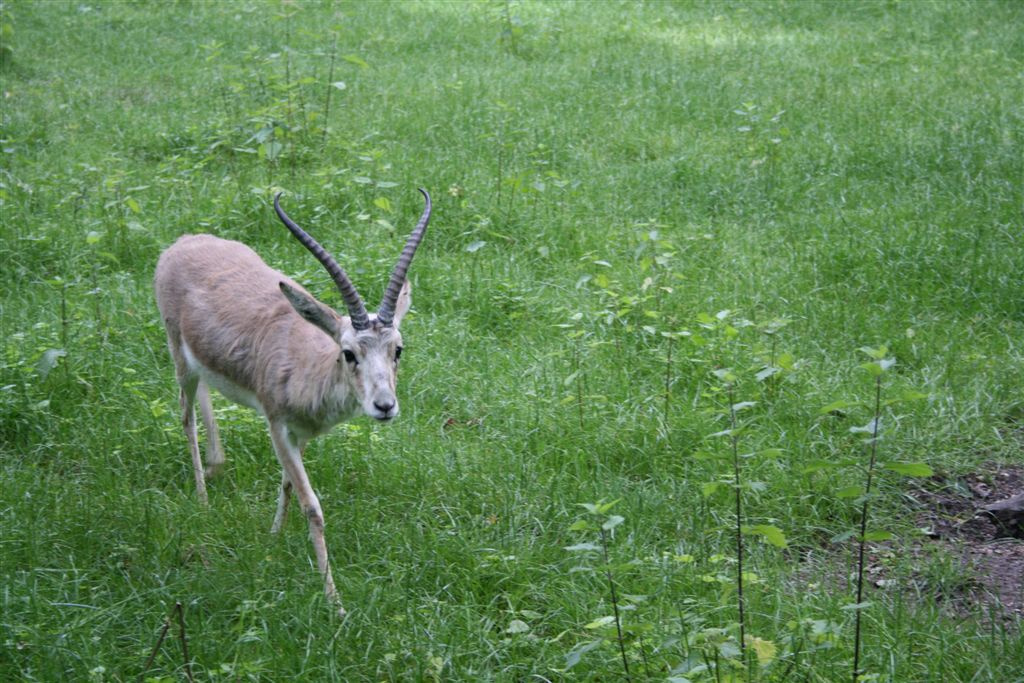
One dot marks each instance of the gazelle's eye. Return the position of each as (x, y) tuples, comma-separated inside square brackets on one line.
[(350, 357), (398, 353)]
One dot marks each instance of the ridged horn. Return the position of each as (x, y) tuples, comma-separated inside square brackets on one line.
[(386, 313), (353, 302)]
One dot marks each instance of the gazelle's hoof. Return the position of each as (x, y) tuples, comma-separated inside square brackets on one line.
[(333, 598)]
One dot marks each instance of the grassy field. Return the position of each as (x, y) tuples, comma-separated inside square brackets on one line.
[(645, 214)]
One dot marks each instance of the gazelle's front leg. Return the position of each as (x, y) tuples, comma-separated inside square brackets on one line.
[(290, 456)]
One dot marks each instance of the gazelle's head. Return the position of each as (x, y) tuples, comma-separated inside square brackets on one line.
[(369, 345)]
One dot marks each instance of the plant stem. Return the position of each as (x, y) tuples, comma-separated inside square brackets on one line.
[(668, 380), (184, 641), (159, 641), (864, 527), (64, 314), (579, 386), (178, 611), (510, 29), (330, 86), (615, 602), (739, 525)]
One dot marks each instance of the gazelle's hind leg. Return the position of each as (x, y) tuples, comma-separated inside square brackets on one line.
[(189, 384), (214, 451), (282, 503)]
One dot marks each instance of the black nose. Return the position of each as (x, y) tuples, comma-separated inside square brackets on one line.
[(385, 408)]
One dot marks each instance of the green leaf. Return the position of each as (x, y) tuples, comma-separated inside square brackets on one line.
[(581, 525), (764, 649), (705, 319), (910, 469), (816, 465), (729, 649), (709, 489), (599, 623), (912, 395), (476, 246), (877, 354), (770, 533), (849, 492), (872, 368), (725, 375), (835, 406), (879, 367), (856, 606), (872, 536), (355, 59), (92, 237), (517, 626), (340, 85), (582, 547), (270, 150), (612, 522), (49, 360), (869, 428), (845, 536), (572, 658), (599, 508)]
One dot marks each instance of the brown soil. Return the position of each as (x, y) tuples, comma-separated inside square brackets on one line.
[(951, 517)]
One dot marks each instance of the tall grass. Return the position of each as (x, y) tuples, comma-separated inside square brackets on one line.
[(626, 195)]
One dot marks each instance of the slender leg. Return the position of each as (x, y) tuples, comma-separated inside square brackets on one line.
[(189, 383), (290, 455), (188, 421), (282, 503), (214, 451)]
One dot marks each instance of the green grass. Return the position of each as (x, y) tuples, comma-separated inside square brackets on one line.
[(603, 173)]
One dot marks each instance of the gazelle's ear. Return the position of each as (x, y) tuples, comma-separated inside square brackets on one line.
[(403, 302), (312, 310)]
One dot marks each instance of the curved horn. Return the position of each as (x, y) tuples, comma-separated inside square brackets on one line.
[(356, 309), (386, 313)]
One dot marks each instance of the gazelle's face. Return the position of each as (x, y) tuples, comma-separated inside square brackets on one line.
[(371, 356), (370, 345)]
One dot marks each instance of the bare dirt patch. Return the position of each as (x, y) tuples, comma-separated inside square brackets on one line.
[(951, 515)]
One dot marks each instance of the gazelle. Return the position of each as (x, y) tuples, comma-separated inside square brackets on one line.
[(235, 324)]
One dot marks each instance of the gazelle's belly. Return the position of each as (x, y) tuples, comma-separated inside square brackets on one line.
[(225, 386)]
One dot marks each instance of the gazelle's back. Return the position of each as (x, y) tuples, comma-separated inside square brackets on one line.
[(197, 268)]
